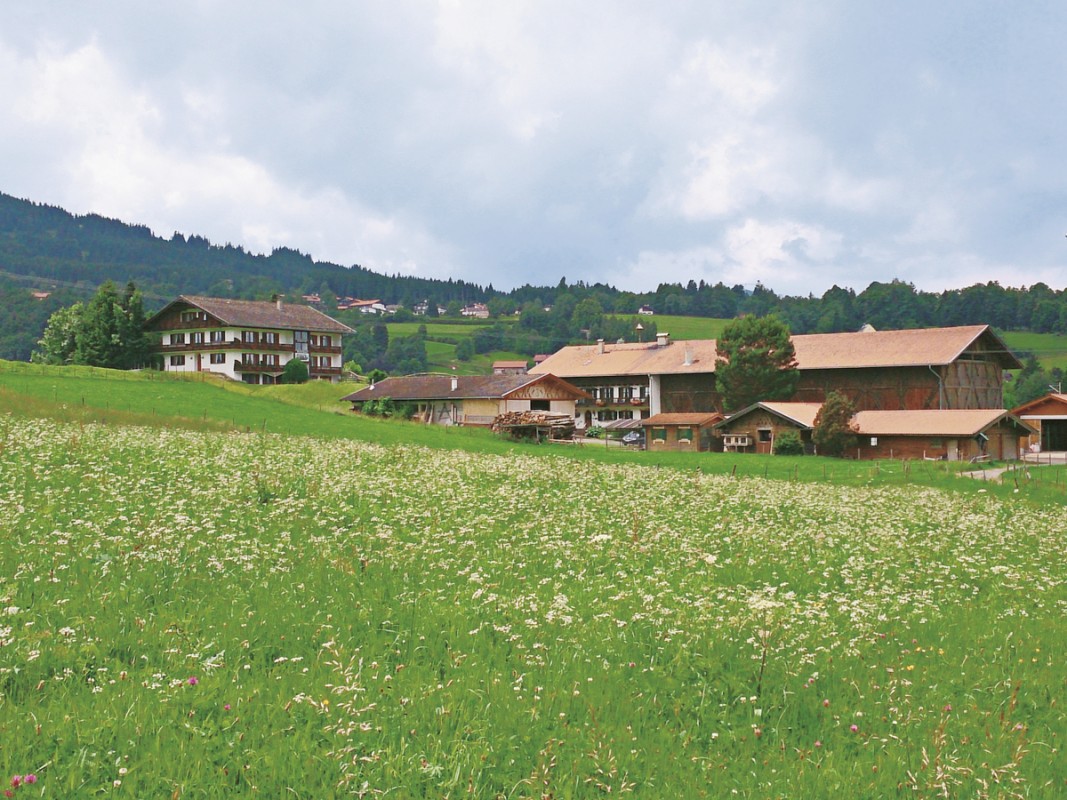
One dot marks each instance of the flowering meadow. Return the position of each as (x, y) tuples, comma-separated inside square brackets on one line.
[(197, 614)]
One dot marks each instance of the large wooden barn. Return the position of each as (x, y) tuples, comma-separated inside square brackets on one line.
[(926, 368)]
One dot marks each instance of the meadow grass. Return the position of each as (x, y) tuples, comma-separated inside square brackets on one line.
[(204, 402), (203, 614)]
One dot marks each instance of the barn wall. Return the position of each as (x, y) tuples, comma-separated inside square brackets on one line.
[(686, 394)]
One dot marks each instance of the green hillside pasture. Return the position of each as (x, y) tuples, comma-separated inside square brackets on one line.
[(686, 327), (199, 615), (1049, 348), (159, 399)]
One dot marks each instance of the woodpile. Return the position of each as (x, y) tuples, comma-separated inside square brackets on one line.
[(535, 425)]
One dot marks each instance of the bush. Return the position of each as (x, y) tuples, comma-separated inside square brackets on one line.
[(594, 433), (787, 443), (833, 432), (294, 371)]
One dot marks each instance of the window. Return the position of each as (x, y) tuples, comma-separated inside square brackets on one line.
[(685, 434), (659, 434), (313, 340), (270, 360), (270, 337), (177, 361), (540, 405), (764, 434), (325, 341), (300, 344), (218, 358), (196, 337), (250, 378), (218, 337), (248, 337), (192, 316), (177, 338), (248, 359)]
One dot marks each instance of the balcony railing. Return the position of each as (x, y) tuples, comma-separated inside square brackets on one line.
[(233, 344), (241, 366)]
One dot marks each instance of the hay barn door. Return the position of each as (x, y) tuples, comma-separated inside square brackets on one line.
[(952, 449)]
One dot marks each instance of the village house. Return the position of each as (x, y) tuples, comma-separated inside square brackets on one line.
[(472, 399), (681, 432), (754, 429), (929, 368), (246, 340), (475, 311), (1048, 417)]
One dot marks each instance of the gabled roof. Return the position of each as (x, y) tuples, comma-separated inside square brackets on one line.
[(467, 387), (1053, 404), (256, 314), (697, 419), (580, 361), (919, 347), (800, 414), (933, 422)]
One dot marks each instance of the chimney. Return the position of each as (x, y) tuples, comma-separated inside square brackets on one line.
[(600, 346), (688, 356), (277, 301), (663, 339), (455, 383)]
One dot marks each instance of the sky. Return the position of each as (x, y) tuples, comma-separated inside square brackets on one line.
[(801, 145)]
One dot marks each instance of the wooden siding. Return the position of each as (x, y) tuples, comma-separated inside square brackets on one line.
[(683, 394)]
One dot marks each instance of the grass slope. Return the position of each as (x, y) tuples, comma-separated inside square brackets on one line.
[(204, 403)]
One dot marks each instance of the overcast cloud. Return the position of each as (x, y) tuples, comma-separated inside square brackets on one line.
[(506, 143)]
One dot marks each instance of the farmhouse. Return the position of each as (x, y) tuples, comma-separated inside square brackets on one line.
[(472, 399), (1048, 416), (246, 340), (754, 429), (684, 432), (928, 368)]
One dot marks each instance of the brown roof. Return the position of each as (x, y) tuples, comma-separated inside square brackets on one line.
[(802, 414), (509, 365), (1051, 405), (682, 419), (258, 314), (694, 356), (947, 422), (918, 347), (467, 387)]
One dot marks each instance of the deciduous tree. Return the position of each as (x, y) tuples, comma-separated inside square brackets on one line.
[(832, 433)]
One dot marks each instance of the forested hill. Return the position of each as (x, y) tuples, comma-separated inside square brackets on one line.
[(51, 244), (46, 248)]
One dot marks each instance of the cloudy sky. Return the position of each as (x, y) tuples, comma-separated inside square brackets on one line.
[(798, 144)]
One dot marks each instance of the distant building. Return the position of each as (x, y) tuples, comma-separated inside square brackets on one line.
[(509, 367), (475, 310), (646, 311)]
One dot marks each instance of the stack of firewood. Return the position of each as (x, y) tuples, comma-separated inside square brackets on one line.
[(539, 423)]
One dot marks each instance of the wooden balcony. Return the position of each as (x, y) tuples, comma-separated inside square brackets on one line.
[(232, 344), (240, 366)]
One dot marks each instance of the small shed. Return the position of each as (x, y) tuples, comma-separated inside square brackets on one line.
[(948, 434), (1048, 417), (684, 432), (754, 429)]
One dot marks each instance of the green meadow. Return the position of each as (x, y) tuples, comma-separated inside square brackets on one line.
[(217, 590)]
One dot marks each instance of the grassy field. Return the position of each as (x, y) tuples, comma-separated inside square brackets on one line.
[(202, 613), (1049, 348)]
